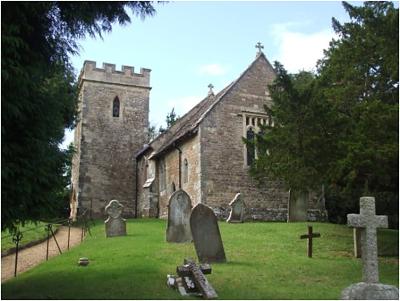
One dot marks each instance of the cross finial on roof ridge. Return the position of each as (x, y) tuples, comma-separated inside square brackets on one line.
[(259, 46), (211, 92)]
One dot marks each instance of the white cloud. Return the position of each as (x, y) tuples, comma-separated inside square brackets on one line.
[(212, 69), (68, 138), (184, 104), (181, 105), (298, 50)]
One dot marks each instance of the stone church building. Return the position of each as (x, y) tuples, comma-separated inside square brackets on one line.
[(202, 153)]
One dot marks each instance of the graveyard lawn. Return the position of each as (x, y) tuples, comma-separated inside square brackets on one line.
[(264, 261), (31, 232)]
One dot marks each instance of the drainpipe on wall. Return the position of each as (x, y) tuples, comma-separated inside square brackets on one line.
[(180, 164)]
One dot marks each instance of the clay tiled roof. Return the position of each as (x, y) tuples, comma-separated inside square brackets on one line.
[(187, 125)]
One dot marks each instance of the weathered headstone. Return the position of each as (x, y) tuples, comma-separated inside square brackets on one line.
[(310, 237), (297, 207), (368, 222), (195, 279), (179, 208), (237, 210), (191, 280), (206, 235), (115, 224)]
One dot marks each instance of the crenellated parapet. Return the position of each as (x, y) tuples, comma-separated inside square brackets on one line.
[(109, 74)]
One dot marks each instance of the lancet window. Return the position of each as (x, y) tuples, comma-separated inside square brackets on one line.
[(116, 106)]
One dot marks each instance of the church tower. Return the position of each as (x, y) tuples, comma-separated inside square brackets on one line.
[(112, 126)]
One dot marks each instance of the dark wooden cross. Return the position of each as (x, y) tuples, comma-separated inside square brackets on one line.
[(259, 46), (196, 273), (310, 236)]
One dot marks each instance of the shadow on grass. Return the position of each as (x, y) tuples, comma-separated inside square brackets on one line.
[(91, 282)]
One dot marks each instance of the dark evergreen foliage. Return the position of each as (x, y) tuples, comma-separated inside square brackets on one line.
[(39, 96), (359, 77), (340, 127), (170, 120)]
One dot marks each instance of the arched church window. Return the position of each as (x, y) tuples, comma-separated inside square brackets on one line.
[(251, 150), (185, 171), (116, 107), (162, 175)]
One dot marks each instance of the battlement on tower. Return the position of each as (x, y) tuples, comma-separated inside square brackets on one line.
[(108, 74)]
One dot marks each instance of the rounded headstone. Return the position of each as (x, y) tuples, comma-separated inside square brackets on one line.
[(206, 236), (115, 224), (178, 225)]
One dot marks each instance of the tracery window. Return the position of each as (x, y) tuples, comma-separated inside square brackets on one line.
[(251, 150), (252, 124), (116, 106)]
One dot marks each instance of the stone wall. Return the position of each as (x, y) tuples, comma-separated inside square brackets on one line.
[(105, 164), (76, 159), (148, 187), (223, 156), (191, 152)]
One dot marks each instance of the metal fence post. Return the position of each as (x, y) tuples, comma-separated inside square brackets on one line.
[(52, 233), (69, 231), (48, 239), (16, 239)]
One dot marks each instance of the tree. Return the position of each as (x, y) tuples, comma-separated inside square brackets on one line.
[(340, 127), (359, 78), (39, 95), (170, 120), (153, 133), (287, 148)]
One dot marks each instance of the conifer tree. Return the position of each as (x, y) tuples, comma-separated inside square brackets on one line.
[(340, 127)]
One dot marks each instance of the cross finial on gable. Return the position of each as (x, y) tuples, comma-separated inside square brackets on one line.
[(259, 46), (211, 92)]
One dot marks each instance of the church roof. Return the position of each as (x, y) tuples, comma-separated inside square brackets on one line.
[(187, 125)]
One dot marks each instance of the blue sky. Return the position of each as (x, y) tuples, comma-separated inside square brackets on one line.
[(189, 45)]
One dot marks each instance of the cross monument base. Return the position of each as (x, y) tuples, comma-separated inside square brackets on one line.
[(370, 291)]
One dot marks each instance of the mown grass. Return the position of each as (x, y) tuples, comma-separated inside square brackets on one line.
[(265, 261), (31, 232)]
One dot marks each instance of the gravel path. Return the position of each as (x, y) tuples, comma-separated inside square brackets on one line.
[(31, 257)]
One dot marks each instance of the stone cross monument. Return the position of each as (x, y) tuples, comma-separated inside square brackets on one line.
[(115, 224), (368, 222)]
